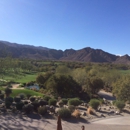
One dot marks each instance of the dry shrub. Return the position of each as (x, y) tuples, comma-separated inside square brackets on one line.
[(91, 111), (76, 113)]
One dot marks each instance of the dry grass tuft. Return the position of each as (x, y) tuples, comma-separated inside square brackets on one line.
[(76, 113), (90, 111)]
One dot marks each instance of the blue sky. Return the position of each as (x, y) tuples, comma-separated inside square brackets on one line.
[(65, 24)]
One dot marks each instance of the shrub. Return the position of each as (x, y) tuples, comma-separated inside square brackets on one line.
[(90, 111), (101, 101), (28, 96), (64, 113), (71, 108), (43, 102), (74, 101), (114, 102), (7, 104), (22, 95), (64, 100), (30, 83), (19, 105), (8, 91), (17, 99), (52, 101), (35, 105), (42, 110), (9, 99), (25, 102), (32, 98), (60, 103), (47, 98), (119, 104), (76, 113), (1, 96), (28, 108), (94, 103)]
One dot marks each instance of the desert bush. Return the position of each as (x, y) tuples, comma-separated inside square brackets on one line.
[(7, 104), (113, 102), (35, 105), (119, 104), (38, 98), (9, 99), (64, 113), (19, 105), (52, 101), (71, 108), (8, 91), (32, 98), (94, 103), (1, 96), (42, 110), (101, 101), (46, 97), (28, 96), (17, 99), (74, 101), (22, 95), (90, 110), (76, 113), (25, 102), (43, 102), (28, 108), (64, 100), (30, 83)]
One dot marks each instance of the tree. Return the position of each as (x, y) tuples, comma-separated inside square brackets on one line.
[(121, 89), (64, 86), (93, 85), (97, 84), (42, 78)]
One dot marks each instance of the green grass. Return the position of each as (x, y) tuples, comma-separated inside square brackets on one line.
[(21, 78), (125, 72), (26, 78), (16, 92)]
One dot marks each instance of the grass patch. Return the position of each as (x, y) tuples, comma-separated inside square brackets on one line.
[(26, 78), (16, 92), (124, 71)]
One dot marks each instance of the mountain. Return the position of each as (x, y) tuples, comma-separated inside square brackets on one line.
[(85, 55)]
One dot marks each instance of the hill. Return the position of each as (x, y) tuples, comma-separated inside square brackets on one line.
[(85, 55)]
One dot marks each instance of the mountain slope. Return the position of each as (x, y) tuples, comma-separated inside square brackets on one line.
[(86, 54)]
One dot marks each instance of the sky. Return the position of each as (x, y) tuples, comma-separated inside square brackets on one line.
[(65, 24)]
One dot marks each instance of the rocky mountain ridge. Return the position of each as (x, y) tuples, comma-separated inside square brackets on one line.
[(85, 55)]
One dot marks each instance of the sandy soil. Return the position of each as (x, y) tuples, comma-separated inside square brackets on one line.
[(36, 122), (104, 119), (16, 86)]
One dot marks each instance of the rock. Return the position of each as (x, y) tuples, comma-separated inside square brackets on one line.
[(56, 110), (111, 112), (104, 108), (85, 104), (102, 115), (117, 112), (83, 114)]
